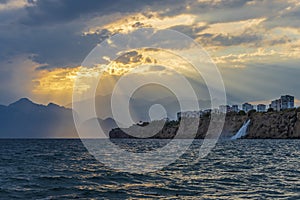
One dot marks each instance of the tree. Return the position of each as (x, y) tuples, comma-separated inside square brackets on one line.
[(251, 112), (241, 112)]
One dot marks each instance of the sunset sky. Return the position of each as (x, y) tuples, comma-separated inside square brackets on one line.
[(254, 43)]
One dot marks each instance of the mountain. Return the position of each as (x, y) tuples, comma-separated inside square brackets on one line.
[(26, 119)]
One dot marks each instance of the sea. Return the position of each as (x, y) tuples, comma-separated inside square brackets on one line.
[(64, 169)]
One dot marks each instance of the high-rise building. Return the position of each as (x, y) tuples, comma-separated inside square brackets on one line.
[(284, 102), (247, 107), (287, 101)]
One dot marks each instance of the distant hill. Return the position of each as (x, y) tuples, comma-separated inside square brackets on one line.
[(25, 119), (139, 106), (92, 131)]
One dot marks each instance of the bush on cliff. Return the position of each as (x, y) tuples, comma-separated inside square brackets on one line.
[(242, 113), (251, 112)]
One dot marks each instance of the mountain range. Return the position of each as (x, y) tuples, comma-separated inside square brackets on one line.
[(25, 119)]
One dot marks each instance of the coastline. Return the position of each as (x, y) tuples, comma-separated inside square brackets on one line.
[(264, 125)]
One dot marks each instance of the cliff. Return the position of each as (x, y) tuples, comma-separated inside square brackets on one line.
[(277, 125), (269, 125)]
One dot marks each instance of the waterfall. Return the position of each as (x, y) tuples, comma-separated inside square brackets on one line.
[(242, 132)]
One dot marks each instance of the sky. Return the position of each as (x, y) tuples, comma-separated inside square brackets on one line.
[(254, 43)]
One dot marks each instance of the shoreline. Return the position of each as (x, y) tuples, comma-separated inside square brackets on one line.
[(264, 125)]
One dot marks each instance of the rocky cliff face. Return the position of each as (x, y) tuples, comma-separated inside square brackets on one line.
[(233, 122), (284, 124), (276, 125)]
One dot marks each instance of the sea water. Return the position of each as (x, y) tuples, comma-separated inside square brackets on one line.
[(64, 169)]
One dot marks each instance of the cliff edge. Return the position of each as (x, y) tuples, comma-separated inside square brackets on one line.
[(268, 125)]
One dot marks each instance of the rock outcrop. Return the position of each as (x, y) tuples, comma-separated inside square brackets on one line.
[(277, 125)]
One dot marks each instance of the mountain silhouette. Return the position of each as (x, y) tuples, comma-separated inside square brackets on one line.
[(26, 119)]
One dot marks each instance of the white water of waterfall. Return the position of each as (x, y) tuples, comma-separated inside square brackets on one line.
[(242, 132)]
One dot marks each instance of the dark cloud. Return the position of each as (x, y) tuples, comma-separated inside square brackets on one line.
[(207, 7), (59, 11), (57, 46), (129, 57), (191, 31), (288, 18), (51, 30), (3, 1)]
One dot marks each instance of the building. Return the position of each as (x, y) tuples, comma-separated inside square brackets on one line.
[(224, 108), (234, 108), (227, 108), (284, 102), (189, 114), (275, 104), (261, 108), (247, 107)]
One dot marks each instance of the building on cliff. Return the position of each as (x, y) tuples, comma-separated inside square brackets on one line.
[(235, 108), (224, 108), (275, 104), (261, 108), (228, 108), (247, 107), (285, 102), (189, 114)]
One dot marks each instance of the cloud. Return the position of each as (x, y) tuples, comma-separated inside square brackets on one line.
[(60, 45), (134, 21), (50, 35), (156, 68), (6, 5), (42, 11), (47, 29), (16, 77), (262, 81), (227, 40)]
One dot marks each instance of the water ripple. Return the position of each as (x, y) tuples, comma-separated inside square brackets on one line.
[(63, 169)]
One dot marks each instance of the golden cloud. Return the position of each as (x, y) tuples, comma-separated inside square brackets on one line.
[(134, 21)]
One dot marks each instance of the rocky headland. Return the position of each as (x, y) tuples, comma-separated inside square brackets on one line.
[(267, 125)]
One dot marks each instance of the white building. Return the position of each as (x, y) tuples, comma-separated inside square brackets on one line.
[(284, 102), (227, 108), (275, 104), (261, 108)]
